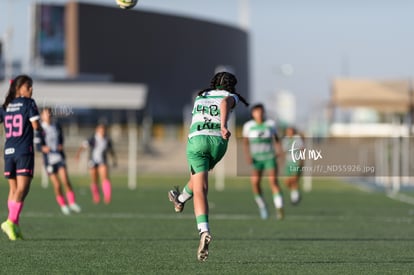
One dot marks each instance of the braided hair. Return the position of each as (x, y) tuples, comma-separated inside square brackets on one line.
[(15, 84), (224, 81)]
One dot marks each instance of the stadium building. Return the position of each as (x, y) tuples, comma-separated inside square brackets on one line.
[(173, 56), (136, 70)]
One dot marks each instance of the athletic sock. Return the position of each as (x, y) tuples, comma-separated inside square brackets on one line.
[(95, 192), (70, 196), (259, 201), (202, 223), (107, 191), (186, 194), (294, 195), (15, 208), (278, 200), (60, 200)]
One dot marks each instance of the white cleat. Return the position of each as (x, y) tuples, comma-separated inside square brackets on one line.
[(173, 197), (280, 214), (263, 213), (202, 252), (65, 210), (75, 208)]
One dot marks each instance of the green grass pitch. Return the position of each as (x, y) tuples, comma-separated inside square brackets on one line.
[(337, 229)]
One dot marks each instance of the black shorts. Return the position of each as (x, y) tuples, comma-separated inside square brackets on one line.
[(54, 168), (93, 164), (19, 166)]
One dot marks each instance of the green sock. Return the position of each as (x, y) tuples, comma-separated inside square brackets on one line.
[(202, 223), (186, 194)]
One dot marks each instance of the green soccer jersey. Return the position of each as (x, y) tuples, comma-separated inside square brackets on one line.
[(206, 113), (290, 146), (261, 138), (294, 143)]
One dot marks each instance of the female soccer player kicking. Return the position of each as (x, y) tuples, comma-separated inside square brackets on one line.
[(55, 164), (20, 117), (207, 143), (260, 141)]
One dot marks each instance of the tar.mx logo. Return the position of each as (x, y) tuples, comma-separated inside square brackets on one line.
[(299, 154)]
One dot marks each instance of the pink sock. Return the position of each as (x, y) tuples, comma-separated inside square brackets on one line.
[(95, 193), (70, 195), (60, 200), (107, 190), (14, 211)]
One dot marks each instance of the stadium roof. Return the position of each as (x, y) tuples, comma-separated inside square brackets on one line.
[(395, 96), (90, 95)]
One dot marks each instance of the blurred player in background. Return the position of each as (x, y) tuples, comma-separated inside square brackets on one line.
[(99, 146), (261, 145), (206, 146), (55, 164), (293, 168), (20, 117)]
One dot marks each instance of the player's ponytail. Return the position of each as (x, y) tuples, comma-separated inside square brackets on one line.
[(224, 81), (10, 95), (242, 99), (15, 84)]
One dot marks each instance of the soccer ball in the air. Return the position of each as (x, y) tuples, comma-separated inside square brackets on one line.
[(126, 4)]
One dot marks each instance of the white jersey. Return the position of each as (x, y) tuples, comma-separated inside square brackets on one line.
[(99, 147), (261, 138), (53, 138), (206, 118), (292, 143)]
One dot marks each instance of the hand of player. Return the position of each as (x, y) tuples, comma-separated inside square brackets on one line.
[(225, 133), (45, 149), (60, 148)]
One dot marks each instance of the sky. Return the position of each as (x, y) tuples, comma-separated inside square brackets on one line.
[(298, 46)]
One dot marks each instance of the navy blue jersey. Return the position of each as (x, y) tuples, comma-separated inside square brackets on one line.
[(17, 120)]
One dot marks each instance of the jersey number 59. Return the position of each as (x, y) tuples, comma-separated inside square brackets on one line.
[(13, 125)]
